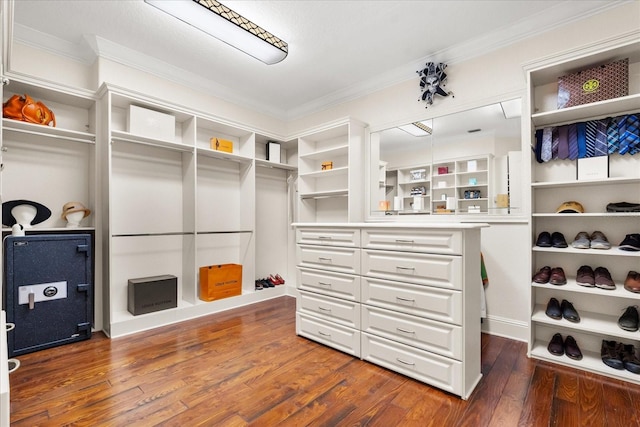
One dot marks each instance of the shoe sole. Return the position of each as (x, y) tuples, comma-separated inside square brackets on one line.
[(628, 329), (600, 246), (580, 246), (586, 285), (606, 287), (615, 364)]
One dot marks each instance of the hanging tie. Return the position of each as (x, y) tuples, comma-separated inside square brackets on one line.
[(546, 144), (601, 138), (629, 139), (563, 142), (590, 138), (582, 140), (555, 142), (573, 141), (613, 139), (538, 147)]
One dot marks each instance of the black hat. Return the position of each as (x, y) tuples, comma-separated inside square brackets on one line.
[(42, 214)]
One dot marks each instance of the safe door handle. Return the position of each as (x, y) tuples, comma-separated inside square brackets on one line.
[(32, 300)]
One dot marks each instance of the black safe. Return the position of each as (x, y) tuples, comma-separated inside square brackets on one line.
[(48, 289)]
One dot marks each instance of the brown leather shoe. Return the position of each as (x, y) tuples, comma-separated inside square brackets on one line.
[(603, 279), (557, 276), (632, 282), (543, 275), (585, 277)]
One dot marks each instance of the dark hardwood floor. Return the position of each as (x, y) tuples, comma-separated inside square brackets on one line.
[(247, 367)]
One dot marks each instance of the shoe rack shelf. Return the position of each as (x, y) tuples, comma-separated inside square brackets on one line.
[(555, 182)]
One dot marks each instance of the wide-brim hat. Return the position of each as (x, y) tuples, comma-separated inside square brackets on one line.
[(42, 212), (72, 207)]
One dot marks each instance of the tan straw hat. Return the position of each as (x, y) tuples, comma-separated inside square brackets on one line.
[(72, 207)]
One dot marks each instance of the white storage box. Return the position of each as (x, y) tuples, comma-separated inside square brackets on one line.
[(593, 168), (152, 124)]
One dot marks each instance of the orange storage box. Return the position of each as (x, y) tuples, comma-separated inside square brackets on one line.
[(219, 144), (220, 281)]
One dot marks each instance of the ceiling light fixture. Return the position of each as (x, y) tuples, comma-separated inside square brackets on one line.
[(417, 129), (219, 21)]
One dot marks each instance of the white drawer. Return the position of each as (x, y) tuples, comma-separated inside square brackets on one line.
[(337, 285), (444, 271), (447, 242), (339, 337), (437, 337), (329, 237), (346, 313), (432, 303), (342, 260), (429, 368)]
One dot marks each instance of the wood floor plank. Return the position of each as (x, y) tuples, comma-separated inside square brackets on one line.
[(247, 367)]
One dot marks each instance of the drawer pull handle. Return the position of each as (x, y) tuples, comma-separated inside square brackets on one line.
[(324, 259), (325, 237), (404, 362), (323, 334), (405, 268), (406, 299), (324, 284), (404, 241), (406, 331), (324, 309)]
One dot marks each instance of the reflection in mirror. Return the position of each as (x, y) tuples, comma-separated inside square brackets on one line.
[(461, 164)]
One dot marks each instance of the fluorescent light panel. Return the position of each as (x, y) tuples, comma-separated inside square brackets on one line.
[(219, 21), (511, 109), (417, 129)]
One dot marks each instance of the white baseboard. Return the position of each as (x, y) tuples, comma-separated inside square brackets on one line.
[(507, 328)]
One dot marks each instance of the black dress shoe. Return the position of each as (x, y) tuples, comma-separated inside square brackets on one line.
[(629, 359), (544, 240), (611, 353), (558, 240), (631, 242), (571, 348), (568, 312), (629, 320), (556, 345), (553, 309)]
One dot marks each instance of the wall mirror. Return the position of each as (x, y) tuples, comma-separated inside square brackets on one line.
[(467, 163)]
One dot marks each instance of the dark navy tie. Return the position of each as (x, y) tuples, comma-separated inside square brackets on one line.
[(590, 138)]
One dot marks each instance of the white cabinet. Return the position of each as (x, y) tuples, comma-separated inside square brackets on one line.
[(463, 186), (176, 203), (331, 179), (555, 182), (406, 297)]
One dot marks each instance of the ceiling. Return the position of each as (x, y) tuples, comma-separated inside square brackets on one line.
[(338, 50)]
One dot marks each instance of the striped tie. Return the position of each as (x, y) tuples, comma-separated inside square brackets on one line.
[(573, 141), (601, 138), (613, 140), (555, 142), (629, 139), (590, 138), (563, 142)]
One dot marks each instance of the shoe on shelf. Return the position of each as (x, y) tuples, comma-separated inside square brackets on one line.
[(272, 281), (611, 353), (571, 348), (603, 279), (632, 282), (279, 277), (544, 240), (557, 276), (556, 345), (631, 242), (543, 275), (558, 240), (267, 284), (568, 312), (599, 240), (276, 280), (553, 309), (629, 319), (623, 207), (581, 241), (259, 285), (629, 359), (586, 276)]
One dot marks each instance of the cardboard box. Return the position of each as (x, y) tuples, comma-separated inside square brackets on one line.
[(220, 281), (502, 200), (593, 168), (327, 166), (442, 170), (152, 124), (220, 144), (149, 294)]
